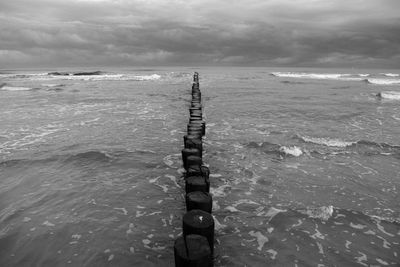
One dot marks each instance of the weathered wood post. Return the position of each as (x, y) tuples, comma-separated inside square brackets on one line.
[(196, 246)]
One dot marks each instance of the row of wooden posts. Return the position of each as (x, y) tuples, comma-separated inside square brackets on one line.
[(196, 245)]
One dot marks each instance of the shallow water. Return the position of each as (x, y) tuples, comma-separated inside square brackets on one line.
[(304, 169)]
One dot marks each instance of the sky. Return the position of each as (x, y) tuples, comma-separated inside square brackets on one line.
[(295, 33)]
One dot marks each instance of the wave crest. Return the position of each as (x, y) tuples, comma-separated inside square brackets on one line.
[(291, 150), (87, 76), (15, 88), (392, 95), (318, 76), (323, 212), (326, 141), (378, 81), (275, 149), (391, 74)]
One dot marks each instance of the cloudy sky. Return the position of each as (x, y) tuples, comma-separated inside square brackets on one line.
[(332, 33)]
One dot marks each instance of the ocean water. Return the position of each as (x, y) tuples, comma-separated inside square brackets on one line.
[(305, 166)]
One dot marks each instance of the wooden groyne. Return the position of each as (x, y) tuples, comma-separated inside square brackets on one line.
[(196, 245)]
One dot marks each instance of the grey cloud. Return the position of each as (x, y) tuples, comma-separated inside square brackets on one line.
[(252, 32)]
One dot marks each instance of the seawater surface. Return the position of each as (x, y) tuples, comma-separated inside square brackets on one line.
[(305, 166)]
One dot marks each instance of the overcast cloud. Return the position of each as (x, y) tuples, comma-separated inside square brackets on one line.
[(351, 33)]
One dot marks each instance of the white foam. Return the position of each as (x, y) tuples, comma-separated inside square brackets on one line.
[(218, 225), (216, 206), (382, 229), (391, 74), (76, 236), (231, 209), (320, 248), (123, 210), (362, 258), (357, 226), (274, 211), (261, 239), (140, 214), (130, 231), (382, 261), (271, 213), (52, 85), (392, 95), (327, 141), (148, 77), (299, 222), (291, 150), (47, 223), (115, 77), (317, 234), (383, 81), (168, 160), (173, 179), (219, 191), (273, 253), (99, 77), (317, 76), (15, 88), (323, 213), (370, 232)]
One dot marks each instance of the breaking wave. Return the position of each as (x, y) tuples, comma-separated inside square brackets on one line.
[(14, 88), (87, 76), (391, 74), (379, 81), (275, 149), (323, 212), (48, 87), (365, 147), (326, 141), (291, 150), (320, 76), (392, 95), (107, 77)]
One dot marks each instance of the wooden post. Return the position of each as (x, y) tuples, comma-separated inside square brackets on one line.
[(200, 223), (192, 250)]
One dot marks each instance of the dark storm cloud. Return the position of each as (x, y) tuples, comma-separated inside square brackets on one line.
[(121, 32)]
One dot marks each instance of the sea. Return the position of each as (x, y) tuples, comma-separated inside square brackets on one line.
[(305, 165)]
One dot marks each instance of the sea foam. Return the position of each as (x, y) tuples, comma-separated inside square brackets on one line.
[(15, 88), (392, 95), (379, 81), (96, 76), (326, 141), (323, 212), (318, 76), (291, 150), (391, 74)]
